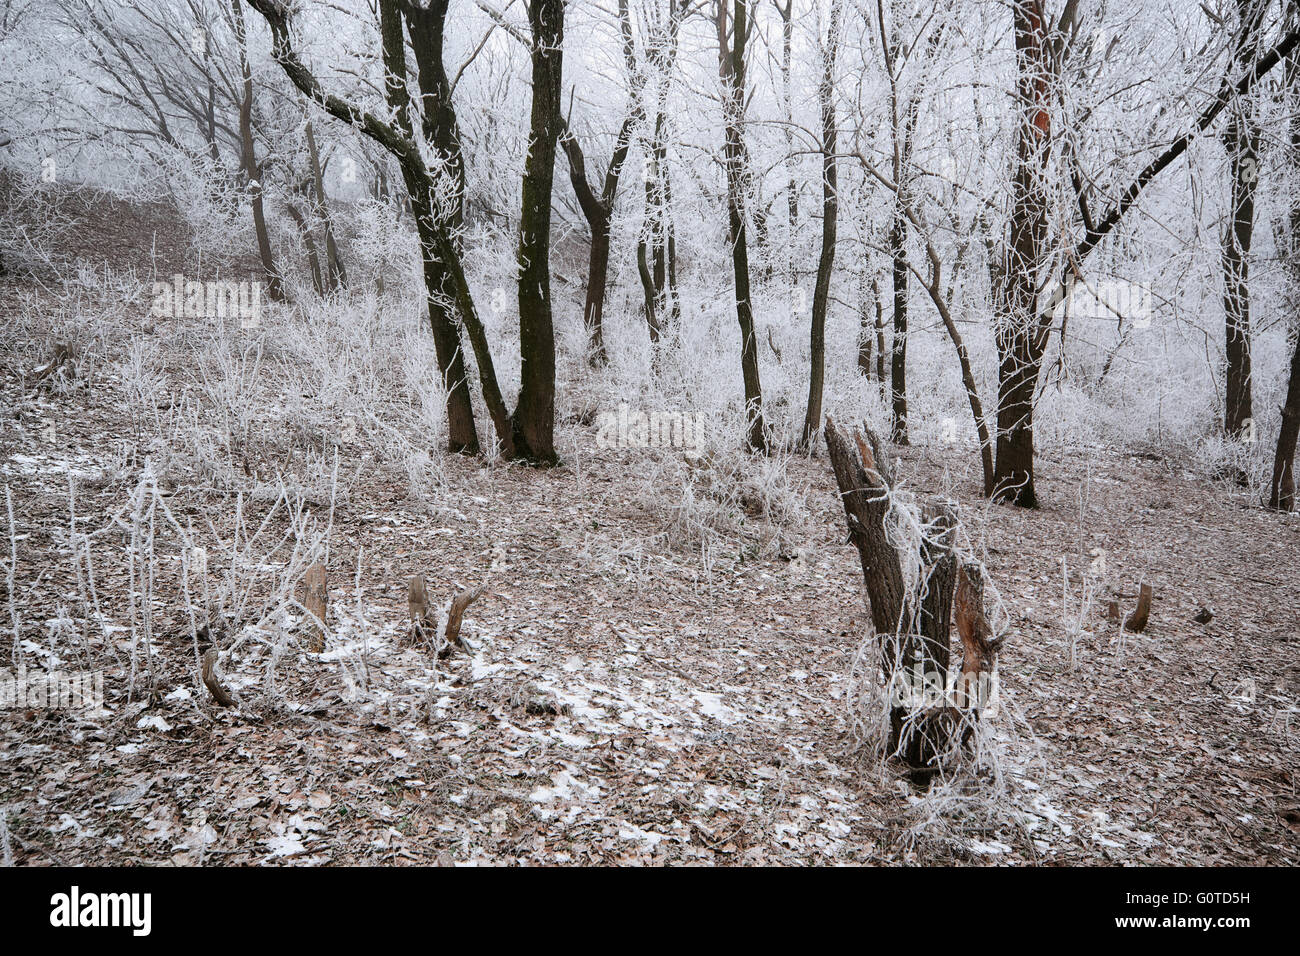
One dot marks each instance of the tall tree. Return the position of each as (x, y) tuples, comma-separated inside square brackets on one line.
[(425, 27), (1016, 276), (598, 207), (731, 65), (532, 438), (248, 158), (1281, 495), (534, 418), (1241, 137), (830, 215)]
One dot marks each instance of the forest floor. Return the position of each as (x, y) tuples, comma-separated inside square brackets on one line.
[(626, 699)]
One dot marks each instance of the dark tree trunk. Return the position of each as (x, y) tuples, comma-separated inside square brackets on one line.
[(534, 417), (462, 434), (593, 309), (898, 355), (1242, 141), (248, 158), (830, 214), (1020, 340), (1282, 488), (732, 63), (867, 302)]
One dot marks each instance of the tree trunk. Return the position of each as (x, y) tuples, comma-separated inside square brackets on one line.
[(248, 159), (337, 274), (598, 209), (732, 63), (534, 417), (1282, 488), (830, 213), (866, 330), (597, 278), (1019, 339), (313, 258), (1242, 141), (913, 628), (898, 355), (462, 434)]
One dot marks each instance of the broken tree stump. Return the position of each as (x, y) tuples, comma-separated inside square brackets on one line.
[(213, 682), (314, 597), (912, 620), (1137, 621), (425, 624), (417, 604)]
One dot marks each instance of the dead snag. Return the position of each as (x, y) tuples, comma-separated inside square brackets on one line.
[(913, 623), (1137, 621), (455, 613), (315, 598), (978, 643), (417, 603), (424, 624), (213, 682)]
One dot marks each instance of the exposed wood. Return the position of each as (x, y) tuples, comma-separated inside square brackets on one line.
[(314, 597), (455, 614), (213, 682), (1137, 621), (913, 629)]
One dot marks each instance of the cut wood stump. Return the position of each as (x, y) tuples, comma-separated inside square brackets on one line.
[(314, 597), (1137, 621)]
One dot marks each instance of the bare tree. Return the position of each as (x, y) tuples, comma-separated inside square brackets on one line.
[(248, 158), (598, 207), (830, 215), (731, 64), (1282, 486), (532, 439), (1241, 137)]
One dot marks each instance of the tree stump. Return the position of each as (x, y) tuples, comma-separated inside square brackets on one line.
[(913, 622), (314, 597)]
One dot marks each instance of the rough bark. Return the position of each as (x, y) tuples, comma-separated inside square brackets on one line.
[(1242, 141), (248, 158), (830, 214), (732, 69), (1020, 349), (913, 628), (534, 418)]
